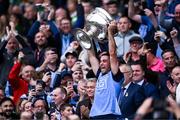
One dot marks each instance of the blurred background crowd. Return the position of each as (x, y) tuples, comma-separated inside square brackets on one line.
[(46, 74)]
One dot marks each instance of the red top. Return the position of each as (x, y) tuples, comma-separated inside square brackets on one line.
[(18, 85)]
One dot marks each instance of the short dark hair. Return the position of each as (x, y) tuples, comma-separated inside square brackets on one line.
[(51, 49), (63, 90), (7, 99), (87, 1), (140, 63), (41, 99), (104, 53), (111, 2), (124, 16), (167, 50), (63, 106)]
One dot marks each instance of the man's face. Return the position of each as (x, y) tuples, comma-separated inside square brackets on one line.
[(90, 88), (65, 26), (169, 59), (87, 7), (7, 108), (157, 7), (60, 12), (135, 46), (58, 96), (12, 45), (39, 106), (112, 9), (176, 74), (65, 80), (123, 25), (30, 13), (27, 72), (40, 39), (77, 75), (177, 13), (104, 64), (52, 55), (68, 111), (38, 88), (71, 6), (138, 73), (70, 60)]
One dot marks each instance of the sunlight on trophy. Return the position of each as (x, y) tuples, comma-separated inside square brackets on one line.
[(95, 28)]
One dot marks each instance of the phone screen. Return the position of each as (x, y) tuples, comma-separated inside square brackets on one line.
[(39, 8)]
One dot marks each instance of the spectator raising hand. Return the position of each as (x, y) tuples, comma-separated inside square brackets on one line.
[(46, 78), (20, 56), (143, 49), (174, 35), (160, 36), (171, 87)]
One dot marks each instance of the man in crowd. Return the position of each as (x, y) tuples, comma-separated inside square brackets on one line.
[(150, 90), (105, 103), (170, 61), (84, 106), (123, 36), (131, 95), (20, 77), (8, 108)]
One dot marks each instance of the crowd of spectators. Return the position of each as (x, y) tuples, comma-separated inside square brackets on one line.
[(45, 73)]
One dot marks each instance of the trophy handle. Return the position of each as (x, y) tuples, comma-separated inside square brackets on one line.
[(83, 38)]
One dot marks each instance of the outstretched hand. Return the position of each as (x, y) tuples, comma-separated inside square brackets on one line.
[(171, 87), (20, 56), (112, 28), (174, 33), (143, 50)]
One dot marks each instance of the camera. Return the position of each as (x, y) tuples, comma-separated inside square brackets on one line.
[(49, 73)]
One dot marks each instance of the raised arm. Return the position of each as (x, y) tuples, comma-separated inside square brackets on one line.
[(152, 17), (112, 48), (131, 12), (176, 43), (93, 60), (14, 78), (80, 17)]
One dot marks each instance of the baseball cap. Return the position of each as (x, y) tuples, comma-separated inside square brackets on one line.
[(136, 38), (71, 52)]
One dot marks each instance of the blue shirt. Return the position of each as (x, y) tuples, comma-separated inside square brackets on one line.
[(106, 95)]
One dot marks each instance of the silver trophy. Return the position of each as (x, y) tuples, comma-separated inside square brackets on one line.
[(95, 28)]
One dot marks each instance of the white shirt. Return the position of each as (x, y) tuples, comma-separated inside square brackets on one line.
[(140, 82), (178, 94), (126, 87)]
